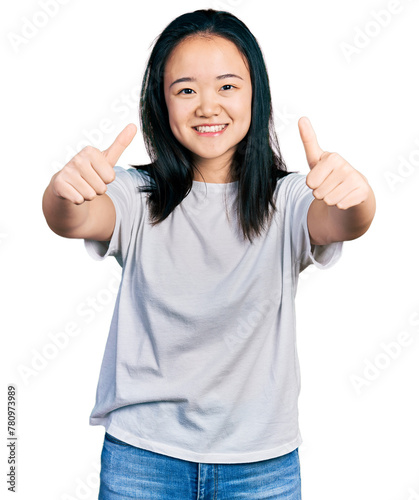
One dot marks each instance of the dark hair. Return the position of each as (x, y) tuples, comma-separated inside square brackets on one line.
[(257, 162)]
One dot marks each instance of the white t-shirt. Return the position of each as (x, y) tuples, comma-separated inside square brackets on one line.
[(201, 362)]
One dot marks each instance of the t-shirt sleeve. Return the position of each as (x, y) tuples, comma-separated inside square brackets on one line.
[(127, 199), (299, 199)]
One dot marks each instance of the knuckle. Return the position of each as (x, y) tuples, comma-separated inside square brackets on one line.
[(59, 187), (77, 161), (90, 195), (349, 173), (58, 181), (72, 170), (87, 150), (309, 180), (109, 176), (65, 170), (78, 200), (101, 189)]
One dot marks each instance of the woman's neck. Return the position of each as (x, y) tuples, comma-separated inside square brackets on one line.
[(210, 170)]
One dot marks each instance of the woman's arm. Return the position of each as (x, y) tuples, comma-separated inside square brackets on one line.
[(74, 203), (327, 224), (93, 219), (345, 203)]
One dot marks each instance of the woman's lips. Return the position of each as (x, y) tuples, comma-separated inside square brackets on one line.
[(210, 130)]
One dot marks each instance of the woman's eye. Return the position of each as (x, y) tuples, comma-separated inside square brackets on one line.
[(229, 87), (186, 91)]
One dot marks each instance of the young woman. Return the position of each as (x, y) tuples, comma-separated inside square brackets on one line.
[(200, 378)]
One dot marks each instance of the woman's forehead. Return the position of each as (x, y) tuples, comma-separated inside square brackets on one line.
[(206, 54)]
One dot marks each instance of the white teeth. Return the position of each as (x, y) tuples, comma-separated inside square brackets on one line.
[(213, 128)]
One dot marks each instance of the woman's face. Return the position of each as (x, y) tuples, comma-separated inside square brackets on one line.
[(208, 93)]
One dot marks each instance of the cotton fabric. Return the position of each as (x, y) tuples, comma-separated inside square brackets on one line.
[(201, 362)]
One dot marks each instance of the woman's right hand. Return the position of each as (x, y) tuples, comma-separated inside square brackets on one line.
[(86, 175)]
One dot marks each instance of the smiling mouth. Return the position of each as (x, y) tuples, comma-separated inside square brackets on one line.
[(210, 129)]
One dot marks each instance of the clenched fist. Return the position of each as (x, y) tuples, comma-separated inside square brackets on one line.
[(86, 175), (331, 177), (344, 204)]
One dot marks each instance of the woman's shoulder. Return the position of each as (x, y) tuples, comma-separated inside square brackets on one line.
[(289, 181), (139, 175)]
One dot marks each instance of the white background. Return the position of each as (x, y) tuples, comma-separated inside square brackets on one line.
[(67, 71)]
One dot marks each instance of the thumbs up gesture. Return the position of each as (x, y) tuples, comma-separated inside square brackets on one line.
[(86, 175), (331, 177)]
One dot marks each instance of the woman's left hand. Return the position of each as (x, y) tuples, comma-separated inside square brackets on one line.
[(331, 177)]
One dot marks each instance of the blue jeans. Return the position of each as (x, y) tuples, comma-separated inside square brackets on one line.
[(131, 472)]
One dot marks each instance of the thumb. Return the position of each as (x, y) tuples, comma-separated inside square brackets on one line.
[(311, 146), (119, 145)]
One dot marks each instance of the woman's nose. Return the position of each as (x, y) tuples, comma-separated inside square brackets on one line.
[(208, 105)]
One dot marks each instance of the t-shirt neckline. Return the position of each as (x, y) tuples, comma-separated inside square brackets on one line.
[(214, 186)]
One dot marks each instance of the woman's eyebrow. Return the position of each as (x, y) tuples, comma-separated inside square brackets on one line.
[(190, 79), (228, 75)]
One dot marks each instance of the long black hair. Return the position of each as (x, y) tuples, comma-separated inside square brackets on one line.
[(257, 163)]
